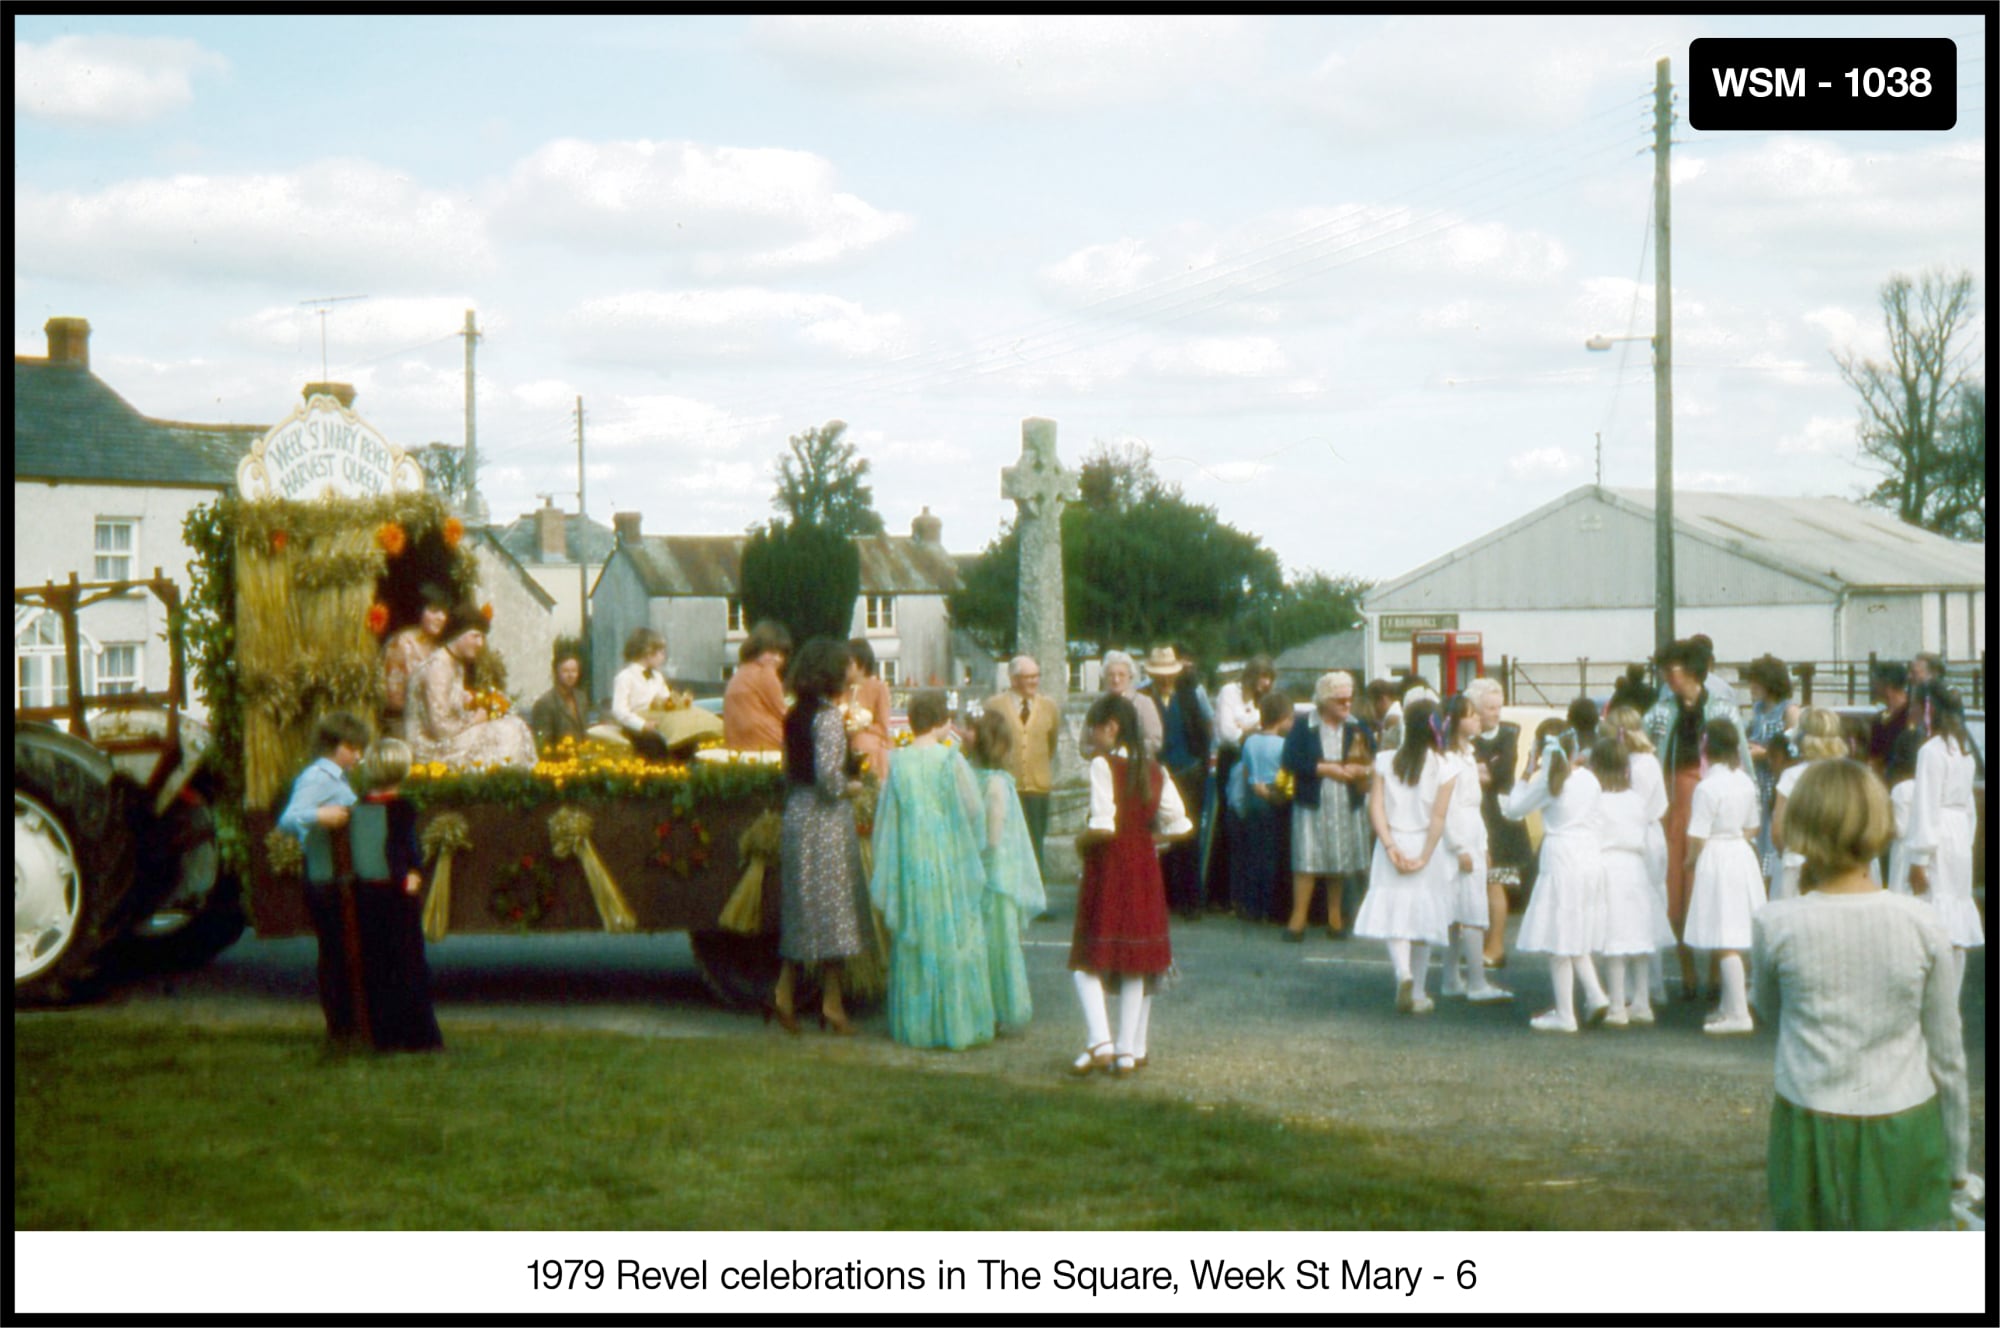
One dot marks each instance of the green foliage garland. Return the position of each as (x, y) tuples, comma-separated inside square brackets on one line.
[(525, 893)]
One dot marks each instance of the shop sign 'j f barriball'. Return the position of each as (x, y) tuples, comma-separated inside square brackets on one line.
[(325, 450)]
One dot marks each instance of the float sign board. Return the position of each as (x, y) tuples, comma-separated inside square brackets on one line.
[(325, 450)]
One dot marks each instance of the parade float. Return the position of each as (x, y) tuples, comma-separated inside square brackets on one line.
[(159, 849)]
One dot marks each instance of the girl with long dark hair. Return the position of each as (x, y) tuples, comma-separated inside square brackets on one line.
[(1407, 804), (1121, 906)]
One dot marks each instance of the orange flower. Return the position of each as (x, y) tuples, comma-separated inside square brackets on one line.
[(454, 531), (486, 612), (279, 539), (378, 617), (391, 537)]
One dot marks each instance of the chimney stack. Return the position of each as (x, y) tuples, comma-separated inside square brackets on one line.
[(627, 526), (341, 392), (69, 341), (551, 525), (927, 529)]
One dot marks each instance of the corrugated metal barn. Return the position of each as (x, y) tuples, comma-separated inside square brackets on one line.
[(1819, 579)]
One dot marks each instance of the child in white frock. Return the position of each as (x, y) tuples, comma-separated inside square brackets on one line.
[(1820, 739), (1465, 896), (1408, 800), (1633, 914), (1723, 821), (1902, 791), (1565, 917), (1941, 829), (1649, 782)]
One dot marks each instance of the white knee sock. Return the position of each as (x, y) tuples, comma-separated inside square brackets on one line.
[(1957, 974), (1656, 978), (1090, 995), (1586, 973), (1456, 975), (1635, 982), (1131, 1009), (1562, 972), (1614, 981), (1472, 954), (1420, 965), (1399, 959), (1735, 1004), (1145, 1022)]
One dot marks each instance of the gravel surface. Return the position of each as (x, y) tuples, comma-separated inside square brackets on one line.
[(1659, 1128)]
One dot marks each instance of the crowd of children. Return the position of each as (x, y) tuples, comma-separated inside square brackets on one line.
[(1638, 855)]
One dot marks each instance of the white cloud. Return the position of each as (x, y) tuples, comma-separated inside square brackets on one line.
[(1283, 264), (346, 222), (735, 323), (1019, 64), (718, 211), (1479, 73), (359, 329), (1541, 461), (1816, 200), (1237, 472), (1723, 481), (1219, 357), (1822, 435), (668, 423), (106, 80)]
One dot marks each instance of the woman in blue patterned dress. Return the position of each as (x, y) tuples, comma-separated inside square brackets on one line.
[(929, 878)]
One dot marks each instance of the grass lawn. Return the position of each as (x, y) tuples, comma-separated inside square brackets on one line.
[(139, 1124)]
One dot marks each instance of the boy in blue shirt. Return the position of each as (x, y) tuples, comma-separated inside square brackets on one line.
[(318, 806)]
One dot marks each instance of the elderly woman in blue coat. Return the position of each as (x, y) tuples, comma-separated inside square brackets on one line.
[(1330, 760)]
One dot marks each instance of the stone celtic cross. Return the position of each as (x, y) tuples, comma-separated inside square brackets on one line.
[(1040, 488)]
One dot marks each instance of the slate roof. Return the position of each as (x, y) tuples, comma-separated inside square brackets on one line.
[(711, 566), (68, 425), (585, 541)]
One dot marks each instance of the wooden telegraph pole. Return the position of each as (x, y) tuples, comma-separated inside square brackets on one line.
[(1663, 367)]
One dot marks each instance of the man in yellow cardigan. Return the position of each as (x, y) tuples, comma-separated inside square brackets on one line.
[(1033, 719)]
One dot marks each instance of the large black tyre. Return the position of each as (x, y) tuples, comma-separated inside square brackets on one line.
[(739, 970), (199, 913), (73, 865)]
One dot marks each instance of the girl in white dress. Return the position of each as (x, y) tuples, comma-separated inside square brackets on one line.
[(1408, 800), (1633, 913), (1723, 821), (1941, 824), (1902, 791), (1649, 781), (1465, 898), (1565, 916), (1820, 739)]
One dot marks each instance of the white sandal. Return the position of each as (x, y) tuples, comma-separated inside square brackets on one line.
[(1098, 1057)]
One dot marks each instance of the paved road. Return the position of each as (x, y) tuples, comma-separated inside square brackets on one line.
[(1651, 1128)]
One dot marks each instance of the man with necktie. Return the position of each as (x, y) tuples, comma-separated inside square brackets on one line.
[(1034, 720)]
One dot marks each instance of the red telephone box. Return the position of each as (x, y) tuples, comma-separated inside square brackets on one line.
[(1447, 660)]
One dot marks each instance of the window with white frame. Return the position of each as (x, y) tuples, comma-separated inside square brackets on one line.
[(117, 548), (881, 613), (735, 612), (121, 668), (891, 671), (40, 675)]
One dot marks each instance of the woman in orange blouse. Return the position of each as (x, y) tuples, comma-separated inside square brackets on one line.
[(753, 705), (870, 695)]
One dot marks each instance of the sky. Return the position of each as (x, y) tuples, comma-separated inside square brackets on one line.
[(1334, 272)]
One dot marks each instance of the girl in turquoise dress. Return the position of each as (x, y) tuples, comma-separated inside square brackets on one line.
[(928, 883), (1013, 881)]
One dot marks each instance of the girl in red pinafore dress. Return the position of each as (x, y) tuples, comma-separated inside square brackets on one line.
[(1121, 907)]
